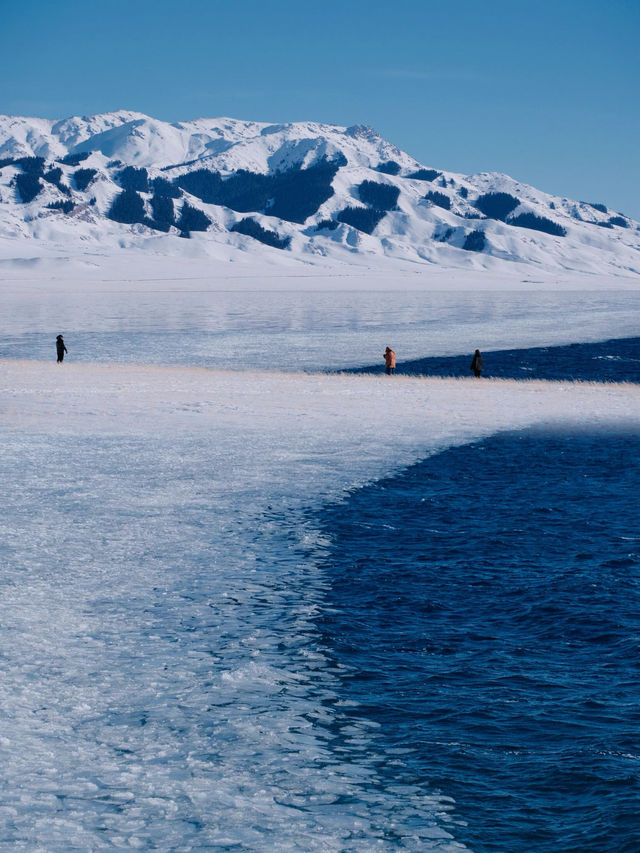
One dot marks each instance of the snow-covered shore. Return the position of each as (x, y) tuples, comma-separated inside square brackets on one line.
[(385, 412)]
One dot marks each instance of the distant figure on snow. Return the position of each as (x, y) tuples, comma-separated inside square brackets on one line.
[(60, 348), (476, 363), (390, 360)]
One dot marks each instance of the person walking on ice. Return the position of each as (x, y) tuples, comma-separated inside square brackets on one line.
[(389, 360), (60, 348), (476, 363)]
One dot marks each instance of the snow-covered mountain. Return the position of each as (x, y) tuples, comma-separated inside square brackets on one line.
[(304, 190)]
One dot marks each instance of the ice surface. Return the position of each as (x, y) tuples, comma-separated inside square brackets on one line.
[(164, 685), (238, 323)]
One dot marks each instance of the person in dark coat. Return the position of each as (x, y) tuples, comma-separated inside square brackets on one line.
[(60, 348), (476, 363)]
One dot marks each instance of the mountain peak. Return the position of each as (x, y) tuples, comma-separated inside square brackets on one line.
[(312, 190), (362, 131)]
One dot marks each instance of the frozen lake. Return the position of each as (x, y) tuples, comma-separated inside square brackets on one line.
[(313, 330), (167, 684)]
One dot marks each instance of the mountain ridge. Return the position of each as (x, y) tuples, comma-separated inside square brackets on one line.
[(316, 191)]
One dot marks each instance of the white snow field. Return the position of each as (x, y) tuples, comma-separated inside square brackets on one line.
[(164, 683)]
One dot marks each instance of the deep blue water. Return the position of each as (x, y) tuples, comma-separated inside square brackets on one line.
[(605, 361), (487, 605)]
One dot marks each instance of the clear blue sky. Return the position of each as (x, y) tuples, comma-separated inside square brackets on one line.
[(546, 91)]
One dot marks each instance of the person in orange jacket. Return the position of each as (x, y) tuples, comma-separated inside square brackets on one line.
[(390, 360)]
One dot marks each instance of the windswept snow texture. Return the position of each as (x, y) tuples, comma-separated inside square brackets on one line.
[(380, 202)]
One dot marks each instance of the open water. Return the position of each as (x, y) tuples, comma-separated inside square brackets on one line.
[(485, 603)]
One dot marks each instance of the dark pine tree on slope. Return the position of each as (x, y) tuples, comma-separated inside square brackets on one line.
[(439, 199), (389, 167), (327, 225), (127, 207), (203, 184), (362, 218), (131, 178), (74, 159), (379, 196), (497, 205), (163, 213), (425, 175), (537, 223), (293, 195), (192, 219), (31, 165), (28, 186), (64, 206), (53, 175), (28, 180), (83, 177), (475, 241), (299, 193), (252, 228), (163, 187)]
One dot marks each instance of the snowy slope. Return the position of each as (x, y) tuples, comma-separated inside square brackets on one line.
[(295, 181)]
